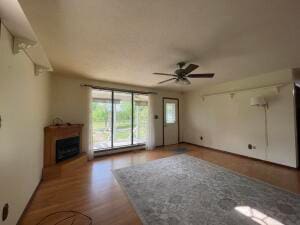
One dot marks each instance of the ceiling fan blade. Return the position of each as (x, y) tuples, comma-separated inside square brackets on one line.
[(166, 80), (187, 81), (203, 75), (165, 74), (190, 68)]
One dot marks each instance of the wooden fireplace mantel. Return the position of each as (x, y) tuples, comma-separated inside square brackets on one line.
[(54, 133)]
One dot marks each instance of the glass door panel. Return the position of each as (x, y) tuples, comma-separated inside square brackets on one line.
[(101, 119), (122, 119), (140, 121)]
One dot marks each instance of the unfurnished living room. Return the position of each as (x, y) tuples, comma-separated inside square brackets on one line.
[(162, 112)]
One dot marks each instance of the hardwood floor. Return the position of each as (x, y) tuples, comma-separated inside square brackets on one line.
[(93, 190)]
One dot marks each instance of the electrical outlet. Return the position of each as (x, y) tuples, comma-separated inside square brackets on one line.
[(250, 146), (201, 138), (253, 147), (5, 212)]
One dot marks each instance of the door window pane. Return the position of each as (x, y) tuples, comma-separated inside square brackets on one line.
[(101, 119), (170, 113), (140, 115), (122, 119)]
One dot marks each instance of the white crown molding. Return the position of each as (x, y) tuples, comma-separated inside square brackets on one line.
[(39, 69), (21, 44)]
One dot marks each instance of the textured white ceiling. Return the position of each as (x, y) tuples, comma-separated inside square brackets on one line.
[(126, 40)]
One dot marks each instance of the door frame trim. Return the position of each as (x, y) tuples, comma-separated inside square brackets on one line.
[(163, 122)]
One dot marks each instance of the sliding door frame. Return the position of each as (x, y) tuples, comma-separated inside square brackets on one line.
[(113, 122), (112, 118), (132, 119)]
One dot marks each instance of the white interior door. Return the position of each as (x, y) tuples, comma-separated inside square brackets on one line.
[(170, 121)]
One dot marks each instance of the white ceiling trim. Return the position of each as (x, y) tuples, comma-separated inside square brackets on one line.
[(14, 19)]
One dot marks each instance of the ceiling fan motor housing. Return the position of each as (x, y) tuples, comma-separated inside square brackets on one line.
[(179, 72), (181, 64)]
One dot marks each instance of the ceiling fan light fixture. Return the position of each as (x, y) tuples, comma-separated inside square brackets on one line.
[(182, 81), (186, 81)]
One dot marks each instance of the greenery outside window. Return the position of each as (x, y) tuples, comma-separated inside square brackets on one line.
[(118, 119), (170, 113)]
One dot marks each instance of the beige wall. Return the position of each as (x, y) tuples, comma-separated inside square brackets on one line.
[(230, 124), (24, 101), (69, 101)]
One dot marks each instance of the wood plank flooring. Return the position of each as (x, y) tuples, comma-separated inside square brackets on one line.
[(93, 190)]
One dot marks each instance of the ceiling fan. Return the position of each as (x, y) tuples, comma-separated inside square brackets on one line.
[(181, 75)]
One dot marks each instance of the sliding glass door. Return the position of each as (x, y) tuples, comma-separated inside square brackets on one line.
[(140, 115), (119, 119), (102, 119), (122, 119)]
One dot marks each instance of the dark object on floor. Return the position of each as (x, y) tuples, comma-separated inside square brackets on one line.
[(179, 150), (66, 218)]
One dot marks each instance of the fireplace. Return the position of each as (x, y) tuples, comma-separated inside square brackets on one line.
[(61, 143), (63, 151), (67, 148)]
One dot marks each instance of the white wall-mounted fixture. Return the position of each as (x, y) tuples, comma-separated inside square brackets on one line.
[(39, 69), (258, 101), (21, 44), (261, 101), (275, 87)]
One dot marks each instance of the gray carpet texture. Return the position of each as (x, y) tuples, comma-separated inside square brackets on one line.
[(186, 190)]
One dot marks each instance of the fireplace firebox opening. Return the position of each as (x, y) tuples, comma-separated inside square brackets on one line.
[(67, 148)]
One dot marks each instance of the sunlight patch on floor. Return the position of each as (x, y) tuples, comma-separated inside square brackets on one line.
[(257, 216)]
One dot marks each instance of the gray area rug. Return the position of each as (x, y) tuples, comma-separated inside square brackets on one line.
[(186, 190)]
